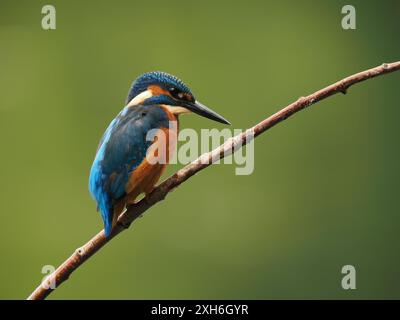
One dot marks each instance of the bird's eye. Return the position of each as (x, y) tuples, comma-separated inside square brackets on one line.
[(144, 113), (177, 94)]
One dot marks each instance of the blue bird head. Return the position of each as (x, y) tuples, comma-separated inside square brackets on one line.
[(161, 88)]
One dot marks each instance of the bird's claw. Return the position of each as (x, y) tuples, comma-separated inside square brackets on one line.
[(125, 225)]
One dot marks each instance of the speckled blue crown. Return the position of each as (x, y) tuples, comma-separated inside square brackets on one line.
[(153, 78)]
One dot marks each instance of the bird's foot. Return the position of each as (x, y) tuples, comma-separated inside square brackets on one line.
[(125, 225)]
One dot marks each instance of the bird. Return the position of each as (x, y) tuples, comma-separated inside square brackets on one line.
[(122, 168)]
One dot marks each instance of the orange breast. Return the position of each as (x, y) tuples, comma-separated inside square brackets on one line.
[(147, 174)]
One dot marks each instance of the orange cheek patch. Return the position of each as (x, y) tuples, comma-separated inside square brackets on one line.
[(188, 97), (157, 90)]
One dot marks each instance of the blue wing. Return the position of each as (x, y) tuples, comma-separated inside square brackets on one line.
[(122, 149)]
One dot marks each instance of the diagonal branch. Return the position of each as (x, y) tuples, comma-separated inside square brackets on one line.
[(160, 192)]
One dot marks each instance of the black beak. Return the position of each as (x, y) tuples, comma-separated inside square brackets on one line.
[(202, 110)]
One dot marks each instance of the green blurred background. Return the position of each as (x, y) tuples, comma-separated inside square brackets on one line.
[(325, 188)]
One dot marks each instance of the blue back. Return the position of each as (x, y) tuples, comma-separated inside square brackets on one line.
[(121, 150)]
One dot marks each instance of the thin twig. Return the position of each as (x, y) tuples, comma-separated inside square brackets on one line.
[(160, 192)]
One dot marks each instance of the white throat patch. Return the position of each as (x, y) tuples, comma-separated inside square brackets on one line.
[(140, 98), (176, 109)]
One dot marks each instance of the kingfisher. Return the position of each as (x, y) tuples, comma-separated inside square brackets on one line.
[(123, 168)]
